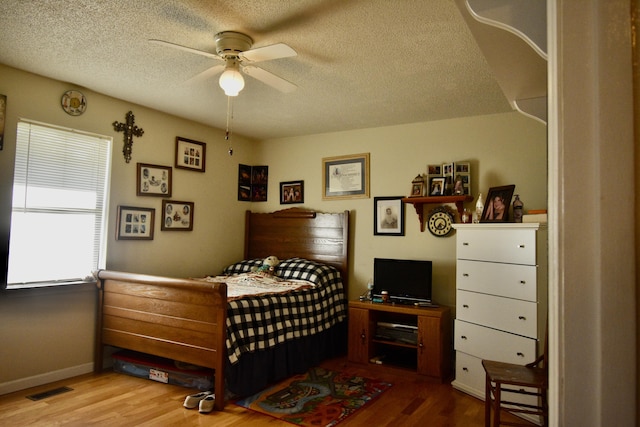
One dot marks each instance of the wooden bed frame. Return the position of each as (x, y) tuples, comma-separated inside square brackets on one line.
[(185, 319)]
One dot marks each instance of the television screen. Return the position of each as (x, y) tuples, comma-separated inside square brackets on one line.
[(406, 281)]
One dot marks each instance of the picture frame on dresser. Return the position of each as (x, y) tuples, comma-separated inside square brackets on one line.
[(496, 208)]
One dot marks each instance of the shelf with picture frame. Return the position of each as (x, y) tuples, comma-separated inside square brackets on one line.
[(419, 202)]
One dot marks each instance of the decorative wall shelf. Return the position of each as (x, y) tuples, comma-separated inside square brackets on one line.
[(419, 202), (512, 36)]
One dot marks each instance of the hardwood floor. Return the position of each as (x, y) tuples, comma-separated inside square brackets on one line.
[(113, 399)]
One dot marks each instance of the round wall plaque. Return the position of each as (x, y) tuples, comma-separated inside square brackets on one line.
[(73, 102)]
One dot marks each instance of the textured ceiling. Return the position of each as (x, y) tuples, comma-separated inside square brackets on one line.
[(360, 63)]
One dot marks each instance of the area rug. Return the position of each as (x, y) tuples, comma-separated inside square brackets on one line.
[(320, 397)]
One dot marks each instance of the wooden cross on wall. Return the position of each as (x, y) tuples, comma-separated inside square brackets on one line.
[(130, 130)]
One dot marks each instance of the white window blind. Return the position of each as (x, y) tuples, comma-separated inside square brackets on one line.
[(59, 212)]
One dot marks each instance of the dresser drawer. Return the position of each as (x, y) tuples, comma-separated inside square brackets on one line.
[(512, 246), (487, 343), (471, 377), (507, 280), (515, 316), (470, 373)]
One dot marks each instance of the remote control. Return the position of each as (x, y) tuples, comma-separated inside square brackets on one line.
[(425, 304)]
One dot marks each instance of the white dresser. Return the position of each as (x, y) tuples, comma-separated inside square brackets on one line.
[(501, 298)]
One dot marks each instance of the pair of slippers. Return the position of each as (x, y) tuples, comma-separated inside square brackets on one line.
[(204, 401)]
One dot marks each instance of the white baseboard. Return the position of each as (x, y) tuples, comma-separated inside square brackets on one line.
[(46, 378)]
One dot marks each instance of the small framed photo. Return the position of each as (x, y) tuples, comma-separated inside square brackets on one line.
[(417, 189), (388, 216), (291, 192), (448, 171), (437, 186), (244, 183), (190, 154), (153, 180), (462, 181), (345, 177), (259, 181), (177, 216), (135, 223), (496, 207), (434, 170)]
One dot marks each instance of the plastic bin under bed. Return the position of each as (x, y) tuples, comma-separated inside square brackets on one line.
[(162, 370)]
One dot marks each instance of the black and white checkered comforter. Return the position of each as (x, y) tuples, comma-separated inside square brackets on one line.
[(260, 322)]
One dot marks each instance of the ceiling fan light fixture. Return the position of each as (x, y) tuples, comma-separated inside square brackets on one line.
[(231, 81)]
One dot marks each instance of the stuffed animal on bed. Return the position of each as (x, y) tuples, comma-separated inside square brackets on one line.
[(269, 265)]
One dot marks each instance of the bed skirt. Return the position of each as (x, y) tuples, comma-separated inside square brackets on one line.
[(255, 371)]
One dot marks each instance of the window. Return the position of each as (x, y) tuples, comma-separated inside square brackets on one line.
[(59, 211)]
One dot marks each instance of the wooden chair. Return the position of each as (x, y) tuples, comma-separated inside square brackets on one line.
[(508, 377)]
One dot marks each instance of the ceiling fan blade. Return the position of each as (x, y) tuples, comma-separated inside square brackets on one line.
[(209, 72), (186, 49), (266, 53), (269, 78)]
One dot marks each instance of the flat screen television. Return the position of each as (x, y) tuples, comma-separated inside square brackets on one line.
[(406, 281)]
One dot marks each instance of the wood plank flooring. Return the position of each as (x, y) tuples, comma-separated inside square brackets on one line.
[(113, 399)]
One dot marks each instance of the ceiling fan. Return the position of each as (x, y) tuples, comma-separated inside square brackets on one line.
[(234, 49)]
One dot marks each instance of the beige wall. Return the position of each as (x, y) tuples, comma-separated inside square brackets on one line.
[(49, 333), (503, 149)]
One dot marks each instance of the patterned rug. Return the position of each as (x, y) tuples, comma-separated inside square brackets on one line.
[(320, 397)]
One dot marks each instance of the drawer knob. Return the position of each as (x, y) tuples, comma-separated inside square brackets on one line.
[(465, 369), (522, 318), (519, 354), (463, 337), (465, 306), (520, 246), (523, 282), (465, 274), (465, 243)]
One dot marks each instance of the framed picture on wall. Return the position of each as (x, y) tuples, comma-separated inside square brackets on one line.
[(388, 216), (177, 216), (345, 177), (496, 207), (291, 192), (259, 183), (190, 154), (133, 223), (153, 180)]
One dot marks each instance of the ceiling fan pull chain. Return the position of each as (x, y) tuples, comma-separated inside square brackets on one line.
[(227, 135)]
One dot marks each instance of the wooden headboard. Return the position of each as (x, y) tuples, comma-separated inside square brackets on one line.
[(296, 232)]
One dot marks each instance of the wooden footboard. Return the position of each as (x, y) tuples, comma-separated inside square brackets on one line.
[(179, 319)]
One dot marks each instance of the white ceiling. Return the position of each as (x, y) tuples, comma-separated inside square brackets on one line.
[(360, 63)]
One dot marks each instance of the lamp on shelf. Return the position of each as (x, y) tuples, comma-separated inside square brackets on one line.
[(231, 81)]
